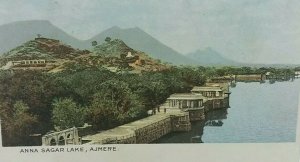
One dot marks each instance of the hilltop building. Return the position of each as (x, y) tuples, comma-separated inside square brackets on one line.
[(129, 55), (28, 62)]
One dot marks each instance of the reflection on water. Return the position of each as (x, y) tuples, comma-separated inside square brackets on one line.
[(260, 112)]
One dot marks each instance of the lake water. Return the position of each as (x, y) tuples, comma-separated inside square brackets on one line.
[(258, 113)]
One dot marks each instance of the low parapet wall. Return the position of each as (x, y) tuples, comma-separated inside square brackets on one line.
[(142, 131)]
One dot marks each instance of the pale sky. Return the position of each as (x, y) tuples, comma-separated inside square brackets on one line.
[(257, 31)]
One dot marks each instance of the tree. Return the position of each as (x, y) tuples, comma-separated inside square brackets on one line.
[(18, 125), (246, 70), (82, 85), (94, 43), (107, 39), (114, 104), (66, 113), (34, 88)]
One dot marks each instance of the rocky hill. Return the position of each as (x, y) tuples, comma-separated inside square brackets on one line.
[(117, 56), (16, 33), (112, 48), (43, 48), (142, 41), (54, 56)]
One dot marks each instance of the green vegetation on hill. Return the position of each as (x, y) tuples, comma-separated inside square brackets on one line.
[(43, 48), (112, 54), (142, 41), (112, 48)]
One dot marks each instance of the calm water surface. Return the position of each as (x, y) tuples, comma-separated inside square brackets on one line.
[(258, 113)]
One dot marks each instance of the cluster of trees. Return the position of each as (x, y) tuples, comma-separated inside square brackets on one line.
[(228, 70), (34, 102)]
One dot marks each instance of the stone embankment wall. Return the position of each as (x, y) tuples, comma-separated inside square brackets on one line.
[(215, 103), (142, 132), (196, 115), (154, 131), (250, 78)]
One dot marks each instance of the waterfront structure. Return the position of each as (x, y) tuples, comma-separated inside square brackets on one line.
[(186, 102), (217, 95), (223, 79), (208, 91), (175, 115), (250, 77)]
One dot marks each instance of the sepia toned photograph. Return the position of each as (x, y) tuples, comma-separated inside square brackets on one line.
[(148, 72)]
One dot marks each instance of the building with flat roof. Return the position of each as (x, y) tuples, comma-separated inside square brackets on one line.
[(186, 102), (208, 91)]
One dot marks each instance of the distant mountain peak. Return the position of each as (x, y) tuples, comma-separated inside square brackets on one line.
[(209, 49), (19, 32), (206, 50), (137, 28), (114, 28), (209, 56), (29, 22), (117, 29)]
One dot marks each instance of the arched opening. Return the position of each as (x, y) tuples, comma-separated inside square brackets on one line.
[(61, 140), (52, 142), (69, 136), (69, 139)]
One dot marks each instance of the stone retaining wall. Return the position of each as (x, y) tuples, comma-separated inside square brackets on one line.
[(216, 103), (154, 131), (144, 134)]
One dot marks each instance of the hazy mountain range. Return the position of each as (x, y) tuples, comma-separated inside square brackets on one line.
[(209, 56), (14, 34)]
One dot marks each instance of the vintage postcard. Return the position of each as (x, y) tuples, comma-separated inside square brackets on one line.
[(135, 80)]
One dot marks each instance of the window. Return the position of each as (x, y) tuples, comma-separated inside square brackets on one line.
[(184, 104), (196, 103), (173, 103)]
